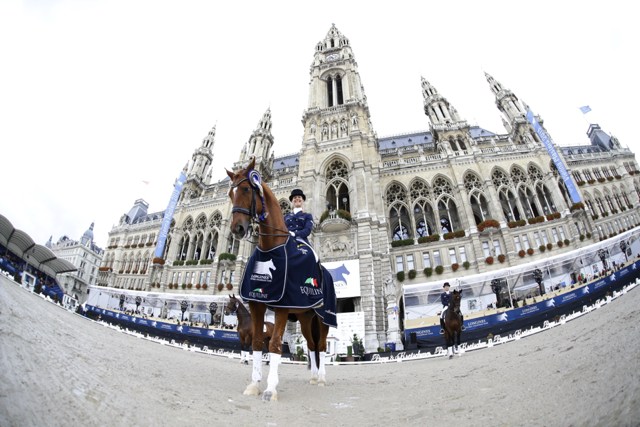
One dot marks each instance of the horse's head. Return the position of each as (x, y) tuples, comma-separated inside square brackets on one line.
[(232, 305), (456, 297), (246, 196)]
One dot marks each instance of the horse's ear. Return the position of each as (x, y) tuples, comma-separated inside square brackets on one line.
[(252, 164), (231, 174)]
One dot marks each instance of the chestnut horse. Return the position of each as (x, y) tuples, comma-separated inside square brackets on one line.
[(453, 324), (245, 327), (254, 202)]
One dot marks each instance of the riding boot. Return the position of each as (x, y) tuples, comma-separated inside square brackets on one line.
[(441, 326)]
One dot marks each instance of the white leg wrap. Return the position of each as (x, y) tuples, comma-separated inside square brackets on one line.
[(321, 370), (314, 368), (272, 379), (256, 374)]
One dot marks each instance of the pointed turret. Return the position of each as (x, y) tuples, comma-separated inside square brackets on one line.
[(87, 237), (514, 113), (203, 157), (436, 107), (450, 132), (259, 145)]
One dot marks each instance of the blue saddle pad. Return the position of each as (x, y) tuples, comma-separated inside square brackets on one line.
[(288, 276)]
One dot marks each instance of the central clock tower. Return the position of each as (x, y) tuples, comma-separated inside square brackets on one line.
[(339, 169)]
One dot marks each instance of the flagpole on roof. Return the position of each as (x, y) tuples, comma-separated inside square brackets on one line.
[(585, 109)]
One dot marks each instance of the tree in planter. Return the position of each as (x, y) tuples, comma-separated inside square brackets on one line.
[(428, 271), (439, 269), (229, 286), (530, 251), (220, 286), (521, 253), (466, 265), (455, 266), (412, 274), (400, 276), (502, 258), (542, 248), (489, 260)]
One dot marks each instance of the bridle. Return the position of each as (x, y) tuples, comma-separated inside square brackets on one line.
[(256, 191)]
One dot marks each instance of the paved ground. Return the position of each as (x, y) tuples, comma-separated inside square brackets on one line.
[(59, 369)]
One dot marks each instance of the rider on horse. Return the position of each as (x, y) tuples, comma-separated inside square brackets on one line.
[(445, 297), (299, 223)]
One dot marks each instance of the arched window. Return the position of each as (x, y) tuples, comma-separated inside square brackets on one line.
[(399, 218), (425, 223), (477, 199), (337, 189), (285, 206), (447, 209)]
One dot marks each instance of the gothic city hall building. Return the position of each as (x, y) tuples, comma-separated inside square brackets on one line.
[(391, 214)]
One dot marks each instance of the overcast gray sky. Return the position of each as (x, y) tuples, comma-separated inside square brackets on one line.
[(99, 97)]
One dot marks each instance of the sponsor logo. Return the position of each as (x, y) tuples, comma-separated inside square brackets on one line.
[(305, 290), (262, 271), (311, 281)]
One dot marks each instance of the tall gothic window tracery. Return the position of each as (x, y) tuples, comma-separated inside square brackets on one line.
[(398, 213), (337, 189), (477, 199)]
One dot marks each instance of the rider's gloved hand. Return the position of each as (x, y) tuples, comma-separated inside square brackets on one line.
[(292, 233)]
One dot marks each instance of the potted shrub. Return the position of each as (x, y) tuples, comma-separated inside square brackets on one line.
[(455, 266), (521, 253), (412, 274), (400, 276), (229, 286), (489, 260), (220, 286), (549, 245), (428, 271), (502, 258), (198, 286), (542, 248), (205, 286), (566, 242), (560, 243), (530, 251), (184, 286), (439, 269), (488, 223), (466, 265), (226, 256)]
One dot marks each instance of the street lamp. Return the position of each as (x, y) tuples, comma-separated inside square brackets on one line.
[(496, 287), (603, 257), (213, 307), (183, 307), (623, 247), (537, 276)]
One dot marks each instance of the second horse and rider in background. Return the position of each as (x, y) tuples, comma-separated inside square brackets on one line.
[(445, 298)]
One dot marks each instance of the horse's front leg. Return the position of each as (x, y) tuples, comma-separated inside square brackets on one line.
[(275, 353), (257, 322)]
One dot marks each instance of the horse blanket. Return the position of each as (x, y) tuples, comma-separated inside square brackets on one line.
[(288, 276)]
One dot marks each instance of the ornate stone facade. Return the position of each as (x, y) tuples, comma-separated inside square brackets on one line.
[(456, 199)]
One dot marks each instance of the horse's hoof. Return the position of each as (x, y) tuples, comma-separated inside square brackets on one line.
[(252, 390), (313, 380), (451, 356), (322, 383), (269, 396)]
